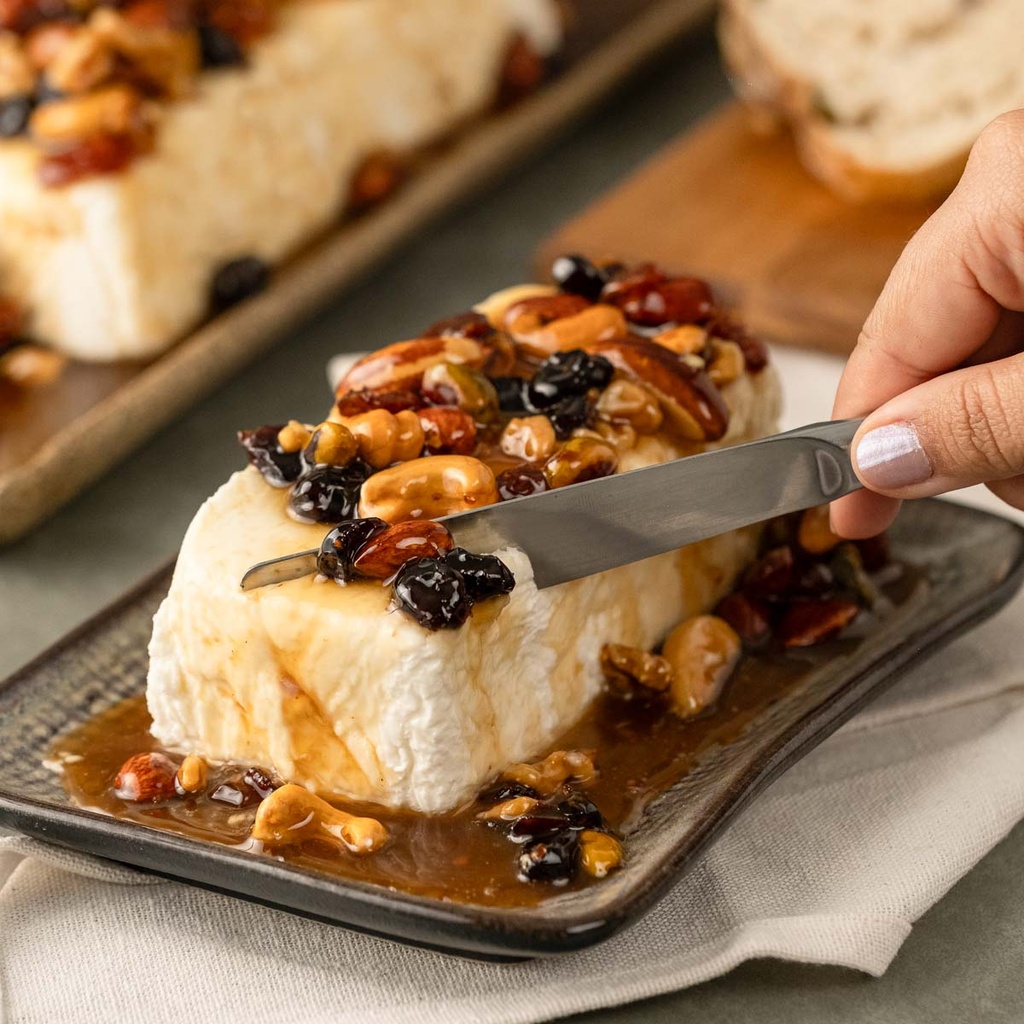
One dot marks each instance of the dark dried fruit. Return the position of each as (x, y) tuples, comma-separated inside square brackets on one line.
[(580, 812), (237, 280), (352, 403), (748, 617), (755, 352), (278, 467), (506, 790), (376, 178), (485, 575), (570, 414), (540, 824), (647, 297), (522, 72), (874, 552), (14, 115), (465, 325), (98, 154), (511, 393), (521, 482), (555, 859), (771, 574), (340, 547), (433, 593), (567, 374), (576, 274), (218, 49), (328, 494), (806, 623)]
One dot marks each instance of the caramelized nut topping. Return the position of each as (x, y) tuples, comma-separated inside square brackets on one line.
[(815, 534), (580, 459), (191, 776), (448, 431), (428, 488), (330, 444), (508, 810), (386, 552), (684, 340), (548, 776), (625, 667), (726, 362), (146, 778), (294, 436), (600, 853), (532, 438), (292, 815), (702, 652), (577, 330), (626, 401), (401, 366)]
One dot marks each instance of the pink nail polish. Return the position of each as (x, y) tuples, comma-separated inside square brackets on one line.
[(891, 457)]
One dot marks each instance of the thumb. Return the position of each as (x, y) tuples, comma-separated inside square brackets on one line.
[(964, 427)]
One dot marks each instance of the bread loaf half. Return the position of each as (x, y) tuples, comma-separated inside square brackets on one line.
[(885, 97)]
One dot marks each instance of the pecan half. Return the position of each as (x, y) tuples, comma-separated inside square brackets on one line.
[(401, 366), (693, 406)]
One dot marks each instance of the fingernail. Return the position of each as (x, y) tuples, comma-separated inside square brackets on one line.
[(891, 457)]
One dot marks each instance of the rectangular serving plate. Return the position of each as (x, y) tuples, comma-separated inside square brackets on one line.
[(973, 561), (56, 440)]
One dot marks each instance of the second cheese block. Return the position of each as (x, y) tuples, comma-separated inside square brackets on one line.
[(254, 164)]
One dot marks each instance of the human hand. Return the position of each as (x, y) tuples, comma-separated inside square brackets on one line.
[(939, 366)]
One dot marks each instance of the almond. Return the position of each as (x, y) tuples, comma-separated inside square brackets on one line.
[(146, 778), (383, 555)]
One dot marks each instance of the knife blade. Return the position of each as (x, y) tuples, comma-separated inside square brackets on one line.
[(597, 525)]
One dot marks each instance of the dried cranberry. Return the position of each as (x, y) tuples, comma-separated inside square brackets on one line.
[(570, 414), (750, 618), (433, 593), (219, 49), (580, 812), (771, 574), (237, 280), (99, 154), (576, 274), (14, 115), (553, 859), (812, 622), (545, 821), (647, 297), (485, 575), (279, 468), (521, 482), (464, 325), (511, 393), (565, 374), (339, 548), (260, 781), (328, 494)]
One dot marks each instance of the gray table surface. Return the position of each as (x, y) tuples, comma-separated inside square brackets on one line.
[(962, 961)]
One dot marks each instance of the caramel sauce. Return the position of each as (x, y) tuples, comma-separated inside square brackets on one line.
[(641, 751)]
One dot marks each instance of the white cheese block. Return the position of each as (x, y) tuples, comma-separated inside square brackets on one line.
[(331, 689), (256, 163)]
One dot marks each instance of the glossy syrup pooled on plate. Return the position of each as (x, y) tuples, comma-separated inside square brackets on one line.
[(565, 822)]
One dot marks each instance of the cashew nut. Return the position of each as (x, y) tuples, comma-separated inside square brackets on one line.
[(292, 815)]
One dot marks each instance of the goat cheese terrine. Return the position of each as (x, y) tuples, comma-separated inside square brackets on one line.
[(405, 696)]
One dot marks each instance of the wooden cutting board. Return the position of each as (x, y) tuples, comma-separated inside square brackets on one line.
[(727, 203)]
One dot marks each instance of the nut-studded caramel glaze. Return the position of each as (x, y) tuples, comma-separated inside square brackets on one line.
[(639, 752)]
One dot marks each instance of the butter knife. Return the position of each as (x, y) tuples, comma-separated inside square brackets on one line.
[(600, 524)]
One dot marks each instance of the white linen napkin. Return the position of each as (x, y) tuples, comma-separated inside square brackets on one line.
[(833, 865)]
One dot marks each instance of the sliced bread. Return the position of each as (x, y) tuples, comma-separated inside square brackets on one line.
[(885, 97)]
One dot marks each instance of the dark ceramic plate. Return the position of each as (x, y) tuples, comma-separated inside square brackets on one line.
[(973, 561)]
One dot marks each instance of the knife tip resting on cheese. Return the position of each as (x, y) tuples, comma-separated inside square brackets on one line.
[(405, 670)]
